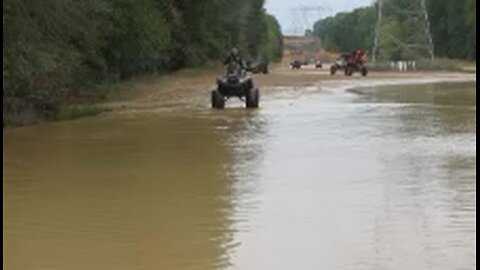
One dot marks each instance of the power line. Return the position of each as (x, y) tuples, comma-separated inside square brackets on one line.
[(304, 17), (419, 42)]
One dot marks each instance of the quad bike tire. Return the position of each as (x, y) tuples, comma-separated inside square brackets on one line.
[(349, 71), (364, 71), (333, 70), (252, 98), (218, 101)]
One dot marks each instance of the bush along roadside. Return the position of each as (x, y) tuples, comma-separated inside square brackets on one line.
[(56, 52)]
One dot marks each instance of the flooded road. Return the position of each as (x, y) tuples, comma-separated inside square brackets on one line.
[(375, 178)]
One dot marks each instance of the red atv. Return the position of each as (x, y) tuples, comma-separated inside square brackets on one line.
[(350, 63)]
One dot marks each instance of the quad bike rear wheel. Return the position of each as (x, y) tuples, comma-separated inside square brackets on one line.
[(218, 101), (364, 71), (252, 98), (348, 70), (333, 70)]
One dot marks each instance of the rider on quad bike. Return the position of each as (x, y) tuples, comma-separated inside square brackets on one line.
[(358, 56), (234, 63), (235, 83)]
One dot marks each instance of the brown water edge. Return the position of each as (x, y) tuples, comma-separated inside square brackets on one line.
[(194, 90), (148, 192), (312, 180)]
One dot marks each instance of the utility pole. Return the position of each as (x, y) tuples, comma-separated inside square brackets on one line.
[(419, 42)]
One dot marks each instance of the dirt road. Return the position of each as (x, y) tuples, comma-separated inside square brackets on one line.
[(193, 87)]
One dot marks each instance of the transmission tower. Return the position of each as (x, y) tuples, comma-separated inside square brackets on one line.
[(304, 17), (297, 24), (419, 42)]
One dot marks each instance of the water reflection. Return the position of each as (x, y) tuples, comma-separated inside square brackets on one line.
[(141, 192), (429, 168), (361, 182), (323, 180)]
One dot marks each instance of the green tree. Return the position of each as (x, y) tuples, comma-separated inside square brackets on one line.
[(55, 51), (453, 26)]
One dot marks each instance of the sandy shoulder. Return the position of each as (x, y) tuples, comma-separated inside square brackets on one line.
[(185, 88)]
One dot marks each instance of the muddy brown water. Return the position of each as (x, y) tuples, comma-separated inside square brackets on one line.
[(377, 178)]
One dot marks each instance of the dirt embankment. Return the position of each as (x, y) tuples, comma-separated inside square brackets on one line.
[(194, 86)]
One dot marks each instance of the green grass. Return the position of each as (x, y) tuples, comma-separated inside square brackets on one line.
[(120, 90), (201, 70), (77, 111), (440, 64)]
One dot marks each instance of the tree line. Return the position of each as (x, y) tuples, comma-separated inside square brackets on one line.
[(55, 51), (452, 25)]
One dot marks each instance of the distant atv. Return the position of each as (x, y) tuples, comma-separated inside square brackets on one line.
[(318, 64), (235, 84), (257, 68), (356, 64), (296, 64), (349, 63), (339, 64)]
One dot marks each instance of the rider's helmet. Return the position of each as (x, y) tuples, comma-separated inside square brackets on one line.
[(234, 51), (359, 53)]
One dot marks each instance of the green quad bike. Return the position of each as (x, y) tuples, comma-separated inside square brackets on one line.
[(296, 64), (235, 84), (255, 68)]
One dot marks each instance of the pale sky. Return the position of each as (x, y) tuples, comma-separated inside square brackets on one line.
[(292, 19)]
